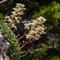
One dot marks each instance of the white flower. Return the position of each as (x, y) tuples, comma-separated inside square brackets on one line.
[(20, 5), (17, 21), (10, 20), (41, 18), (20, 13), (31, 32), (26, 26), (14, 13), (34, 21), (36, 28), (7, 17), (15, 16), (28, 36)]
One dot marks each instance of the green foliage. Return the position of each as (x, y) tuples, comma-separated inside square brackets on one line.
[(40, 54), (55, 58), (51, 11), (1, 16), (10, 37), (36, 55)]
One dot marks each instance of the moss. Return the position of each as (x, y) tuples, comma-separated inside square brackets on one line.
[(49, 11), (9, 35), (55, 58)]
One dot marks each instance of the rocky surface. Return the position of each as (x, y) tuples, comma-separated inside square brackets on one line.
[(4, 46)]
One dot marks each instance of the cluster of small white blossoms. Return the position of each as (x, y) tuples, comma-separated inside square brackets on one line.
[(36, 28), (15, 16)]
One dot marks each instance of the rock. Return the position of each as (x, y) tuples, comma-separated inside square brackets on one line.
[(4, 46), (7, 57)]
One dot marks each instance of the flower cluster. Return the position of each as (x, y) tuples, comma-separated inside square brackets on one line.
[(16, 14), (35, 28)]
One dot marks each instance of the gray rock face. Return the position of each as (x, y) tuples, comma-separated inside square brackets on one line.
[(4, 46)]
